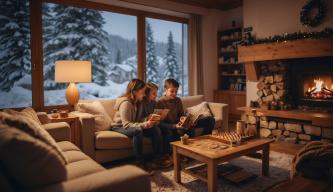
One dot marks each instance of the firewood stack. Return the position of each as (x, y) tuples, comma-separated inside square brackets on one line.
[(271, 85)]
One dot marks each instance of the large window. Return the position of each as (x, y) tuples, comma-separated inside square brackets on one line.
[(15, 56), (166, 53), (107, 39), (111, 38)]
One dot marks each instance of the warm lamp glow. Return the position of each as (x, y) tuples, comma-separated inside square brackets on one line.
[(72, 72)]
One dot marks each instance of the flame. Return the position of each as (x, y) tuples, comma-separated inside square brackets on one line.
[(320, 90), (319, 84)]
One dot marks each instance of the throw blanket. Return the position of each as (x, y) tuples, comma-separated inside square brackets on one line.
[(314, 160)]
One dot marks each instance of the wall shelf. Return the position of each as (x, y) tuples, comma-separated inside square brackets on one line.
[(231, 86)]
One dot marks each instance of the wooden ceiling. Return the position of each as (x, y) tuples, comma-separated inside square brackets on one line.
[(213, 4)]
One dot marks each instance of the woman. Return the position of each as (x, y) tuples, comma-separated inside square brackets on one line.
[(129, 120)]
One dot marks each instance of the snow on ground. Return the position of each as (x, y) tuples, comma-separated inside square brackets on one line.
[(16, 97), (21, 97), (88, 91)]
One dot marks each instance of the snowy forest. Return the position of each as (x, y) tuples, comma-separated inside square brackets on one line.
[(71, 33)]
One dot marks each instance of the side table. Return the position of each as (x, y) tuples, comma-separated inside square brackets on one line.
[(74, 124)]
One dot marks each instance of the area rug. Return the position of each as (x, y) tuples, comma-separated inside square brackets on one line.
[(163, 181)]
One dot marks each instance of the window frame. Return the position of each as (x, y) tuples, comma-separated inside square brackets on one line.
[(37, 41)]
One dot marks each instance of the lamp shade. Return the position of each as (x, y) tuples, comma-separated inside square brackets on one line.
[(72, 71)]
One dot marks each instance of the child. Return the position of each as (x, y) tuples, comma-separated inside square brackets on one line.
[(176, 114), (149, 104), (149, 101)]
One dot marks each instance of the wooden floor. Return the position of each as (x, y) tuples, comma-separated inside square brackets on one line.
[(279, 146)]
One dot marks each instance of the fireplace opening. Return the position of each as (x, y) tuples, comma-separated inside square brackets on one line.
[(311, 83)]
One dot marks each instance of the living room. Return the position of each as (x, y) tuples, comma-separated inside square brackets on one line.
[(166, 95)]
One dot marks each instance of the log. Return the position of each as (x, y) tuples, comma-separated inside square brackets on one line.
[(280, 93), (260, 85), (278, 78), (280, 85), (260, 101), (260, 93), (273, 88), (267, 92), (269, 79), (276, 97), (269, 98)]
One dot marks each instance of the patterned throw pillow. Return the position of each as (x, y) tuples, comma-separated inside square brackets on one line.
[(198, 112), (28, 162), (102, 119), (31, 127)]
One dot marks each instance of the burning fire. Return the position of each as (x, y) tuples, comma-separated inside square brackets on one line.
[(320, 90)]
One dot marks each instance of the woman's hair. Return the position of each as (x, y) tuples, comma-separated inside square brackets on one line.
[(133, 85), (170, 83), (150, 86)]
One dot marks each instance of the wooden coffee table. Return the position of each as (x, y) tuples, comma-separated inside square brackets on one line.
[(199, 148)]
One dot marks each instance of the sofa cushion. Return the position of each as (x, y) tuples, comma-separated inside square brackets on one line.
[(28, 162), (109, 106), (74, 156), (60, 131), (199, 111), (115, 140), (190, 101), (67, 146), (102, 118), (32, 128), (81, 168)]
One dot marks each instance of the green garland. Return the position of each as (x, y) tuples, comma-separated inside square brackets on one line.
[(328, 32), (305, 18)]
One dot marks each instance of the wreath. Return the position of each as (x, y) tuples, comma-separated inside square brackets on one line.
[(306, 18)]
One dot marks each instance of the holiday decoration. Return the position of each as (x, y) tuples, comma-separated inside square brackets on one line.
[(305, 15), (328, 32)]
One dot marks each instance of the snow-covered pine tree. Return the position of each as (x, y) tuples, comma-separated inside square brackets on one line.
[(170, 60), (48, 36), (118, 57), (78, 35), (152, 63), (15, 54)]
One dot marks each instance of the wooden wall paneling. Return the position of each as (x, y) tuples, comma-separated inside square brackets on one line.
[(234, 99)]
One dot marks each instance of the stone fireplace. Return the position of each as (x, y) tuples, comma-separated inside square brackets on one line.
[(306, 84), (298, 75)]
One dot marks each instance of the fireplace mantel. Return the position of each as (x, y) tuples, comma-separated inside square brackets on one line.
[(314, 118), (304, 48)]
